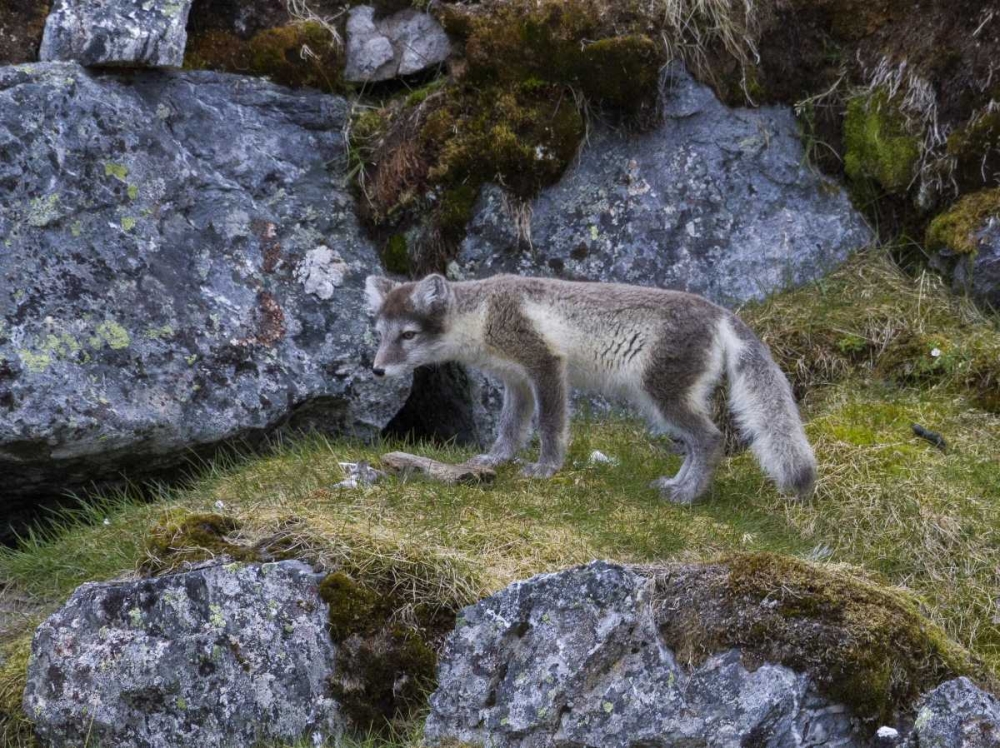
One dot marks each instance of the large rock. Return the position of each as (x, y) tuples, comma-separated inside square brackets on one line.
[(576, 658), (222, 656), (717, 201), (976, 273), (145, 33), (181, 266), (957, 714), (401, 44)]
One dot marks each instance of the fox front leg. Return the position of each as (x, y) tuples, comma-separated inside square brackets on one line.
[(515, 420), (550, 388)]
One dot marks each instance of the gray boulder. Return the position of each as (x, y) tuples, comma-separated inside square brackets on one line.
[(222, 656), (181, 267), (140, 33), (977, 274), (401, 44), (716, 201), (576, 658), (957, 714)]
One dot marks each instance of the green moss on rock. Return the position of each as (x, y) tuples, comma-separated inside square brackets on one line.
[(956, 228), (395, 257), (191, 538), (865, 645), (878, 144), (296, 55), (386, 650)]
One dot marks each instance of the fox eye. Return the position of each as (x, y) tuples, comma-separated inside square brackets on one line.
[(408, 335)]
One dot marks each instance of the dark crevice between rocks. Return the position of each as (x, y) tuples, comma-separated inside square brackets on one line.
[(39, 493), (438, 409)]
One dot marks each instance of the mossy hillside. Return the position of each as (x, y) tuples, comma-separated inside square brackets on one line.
[(301, 54), (956, 228), (513, 115), (888, 503), (868, 316), (865, 645)]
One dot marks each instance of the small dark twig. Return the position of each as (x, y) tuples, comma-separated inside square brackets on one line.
[(932, 436)]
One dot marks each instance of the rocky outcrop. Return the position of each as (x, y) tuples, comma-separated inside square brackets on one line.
[(219, 656), (182, 266), (402, 44), (745, 652), (717, 201), (974, 264), (957, 714), (576, 658), (134, 33)]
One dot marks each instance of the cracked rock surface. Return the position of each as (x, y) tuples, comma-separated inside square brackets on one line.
[(220, 656), (716, 201), (182, 267), (134, 33)]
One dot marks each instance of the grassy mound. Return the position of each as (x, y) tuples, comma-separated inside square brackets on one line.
[(889, 504), (865, 645)]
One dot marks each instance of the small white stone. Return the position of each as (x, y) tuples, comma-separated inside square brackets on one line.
[(935, 352), (219, 505), (887, 733), (597, 457)]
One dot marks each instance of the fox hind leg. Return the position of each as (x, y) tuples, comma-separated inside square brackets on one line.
[(703, 444), (551, 396)]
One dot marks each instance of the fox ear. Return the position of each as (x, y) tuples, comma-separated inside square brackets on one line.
[(432, 294), (376, 289)]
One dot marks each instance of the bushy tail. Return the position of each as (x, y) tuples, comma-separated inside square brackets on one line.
[(761, 399)]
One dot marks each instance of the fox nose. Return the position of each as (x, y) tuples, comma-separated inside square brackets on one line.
[(378, 371)]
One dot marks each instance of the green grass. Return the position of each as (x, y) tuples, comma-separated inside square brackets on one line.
[(888, 503)]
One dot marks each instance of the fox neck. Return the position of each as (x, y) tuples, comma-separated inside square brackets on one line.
[(463, 340)]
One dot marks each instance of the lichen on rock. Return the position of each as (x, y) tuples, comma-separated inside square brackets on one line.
[(217, 656), (757, 648)]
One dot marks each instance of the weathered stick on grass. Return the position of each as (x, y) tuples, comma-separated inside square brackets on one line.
[(403, 462)]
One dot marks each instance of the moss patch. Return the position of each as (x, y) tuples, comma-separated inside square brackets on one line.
[(976, 150), (296, 55), (956, 228), (387, 650), (512, 115), (190, 538), (877, 142), (865, 645)]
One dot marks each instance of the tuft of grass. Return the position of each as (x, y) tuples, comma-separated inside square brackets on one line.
[(869, 317)]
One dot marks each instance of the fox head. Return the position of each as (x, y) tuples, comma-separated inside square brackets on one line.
[(412, 320)]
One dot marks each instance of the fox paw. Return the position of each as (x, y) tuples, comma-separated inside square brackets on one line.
[(539, 470), (674, 491), (489, 460)]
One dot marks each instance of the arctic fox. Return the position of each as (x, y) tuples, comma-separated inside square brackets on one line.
[(665, 351)]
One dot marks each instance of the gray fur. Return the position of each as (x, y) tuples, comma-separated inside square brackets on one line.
[(666, 351)]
